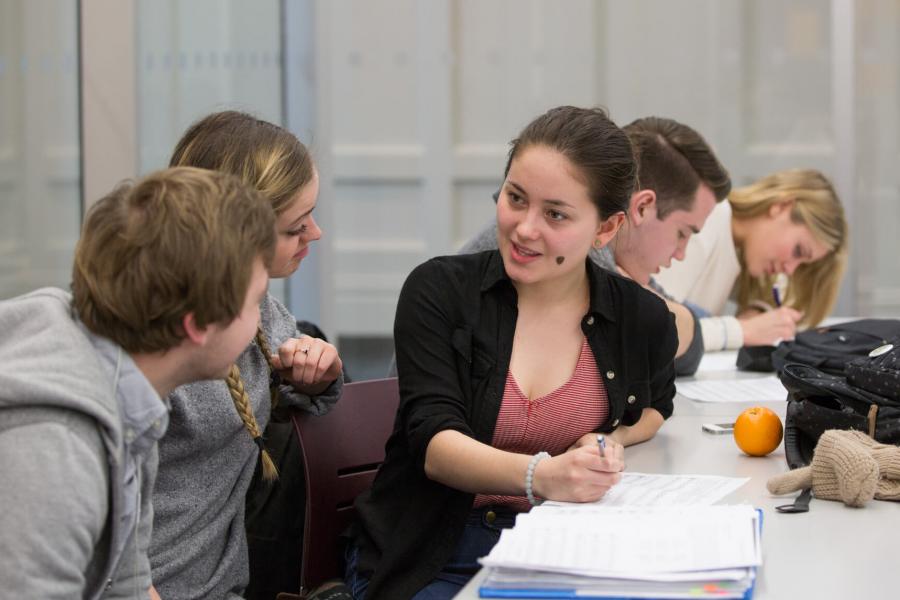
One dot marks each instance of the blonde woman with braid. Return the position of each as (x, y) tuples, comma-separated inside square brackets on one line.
[(788, 224), (215, 441)]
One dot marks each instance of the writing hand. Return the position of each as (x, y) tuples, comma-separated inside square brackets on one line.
[(579, 475), (770, 327)]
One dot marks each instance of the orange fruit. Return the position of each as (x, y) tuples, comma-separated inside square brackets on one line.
[(758, 431)]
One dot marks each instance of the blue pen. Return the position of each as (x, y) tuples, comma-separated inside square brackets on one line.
[(601, 443), (778, 287)]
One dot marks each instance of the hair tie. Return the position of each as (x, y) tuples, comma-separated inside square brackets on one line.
[(274, 379), (258, 440)]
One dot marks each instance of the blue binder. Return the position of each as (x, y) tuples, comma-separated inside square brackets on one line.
[(486, 591)]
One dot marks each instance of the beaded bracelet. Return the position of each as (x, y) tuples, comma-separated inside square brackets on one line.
[(529, 477)]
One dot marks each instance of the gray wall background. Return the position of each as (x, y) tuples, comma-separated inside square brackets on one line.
[(408, 107)]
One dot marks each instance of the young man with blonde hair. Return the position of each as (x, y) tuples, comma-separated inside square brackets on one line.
[(168, 277)]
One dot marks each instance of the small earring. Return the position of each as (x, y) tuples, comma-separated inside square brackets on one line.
[(598, 244)]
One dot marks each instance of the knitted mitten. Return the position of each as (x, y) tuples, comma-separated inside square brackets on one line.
[(842, 469), (887, 457), (845, 469), (785, 483)]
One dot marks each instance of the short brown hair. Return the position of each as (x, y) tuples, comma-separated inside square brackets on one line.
[(673, 160), (262, 154), (177, 241)]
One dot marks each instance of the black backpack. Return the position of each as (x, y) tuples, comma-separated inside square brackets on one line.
[(866, 398), (830, 348)]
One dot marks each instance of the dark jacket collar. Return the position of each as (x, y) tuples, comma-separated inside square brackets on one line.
[(601, 302)]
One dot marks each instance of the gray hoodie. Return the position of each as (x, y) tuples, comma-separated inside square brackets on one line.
[(78, 429)]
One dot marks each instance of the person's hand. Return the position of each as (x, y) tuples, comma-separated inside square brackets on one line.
[(770, 327), (309, 363), (613, 448), (580, 474)]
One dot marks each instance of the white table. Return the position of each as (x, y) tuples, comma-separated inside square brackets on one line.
[(830, 552)]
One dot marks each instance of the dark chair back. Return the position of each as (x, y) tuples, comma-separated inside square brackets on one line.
[(341, 454)]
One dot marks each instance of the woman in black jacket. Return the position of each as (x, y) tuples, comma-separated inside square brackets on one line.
[(509, 363)]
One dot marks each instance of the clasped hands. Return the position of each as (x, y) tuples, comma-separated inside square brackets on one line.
[(580, 474), (309, 364)]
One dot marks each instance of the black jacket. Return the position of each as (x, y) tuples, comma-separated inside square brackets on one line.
[(453, 334)]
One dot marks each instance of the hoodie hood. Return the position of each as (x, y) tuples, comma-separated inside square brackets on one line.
[(47, 360)]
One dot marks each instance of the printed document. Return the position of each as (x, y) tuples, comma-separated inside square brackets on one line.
[(644, 489), (757, 389), (717, 362)]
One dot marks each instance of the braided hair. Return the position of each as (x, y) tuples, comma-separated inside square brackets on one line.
[(245, 411), (273, 161)]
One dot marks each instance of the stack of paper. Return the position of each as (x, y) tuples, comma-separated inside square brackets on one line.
[(756, 389), (636, 552)]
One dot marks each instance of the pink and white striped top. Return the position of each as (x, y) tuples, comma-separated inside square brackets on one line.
[(550, 423)]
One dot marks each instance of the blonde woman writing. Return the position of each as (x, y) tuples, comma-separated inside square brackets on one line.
[(789, 223)]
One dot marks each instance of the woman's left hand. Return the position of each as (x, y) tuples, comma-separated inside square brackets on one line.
[(309, 364)]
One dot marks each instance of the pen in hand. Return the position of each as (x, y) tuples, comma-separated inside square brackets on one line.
[(778, 289), (601, 444)]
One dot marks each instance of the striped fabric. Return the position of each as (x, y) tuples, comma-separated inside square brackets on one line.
[(550, 423)]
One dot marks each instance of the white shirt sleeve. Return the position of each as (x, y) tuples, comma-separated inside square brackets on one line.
[(721, 333)]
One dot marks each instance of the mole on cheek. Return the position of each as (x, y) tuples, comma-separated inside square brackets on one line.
[(560, 259)]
